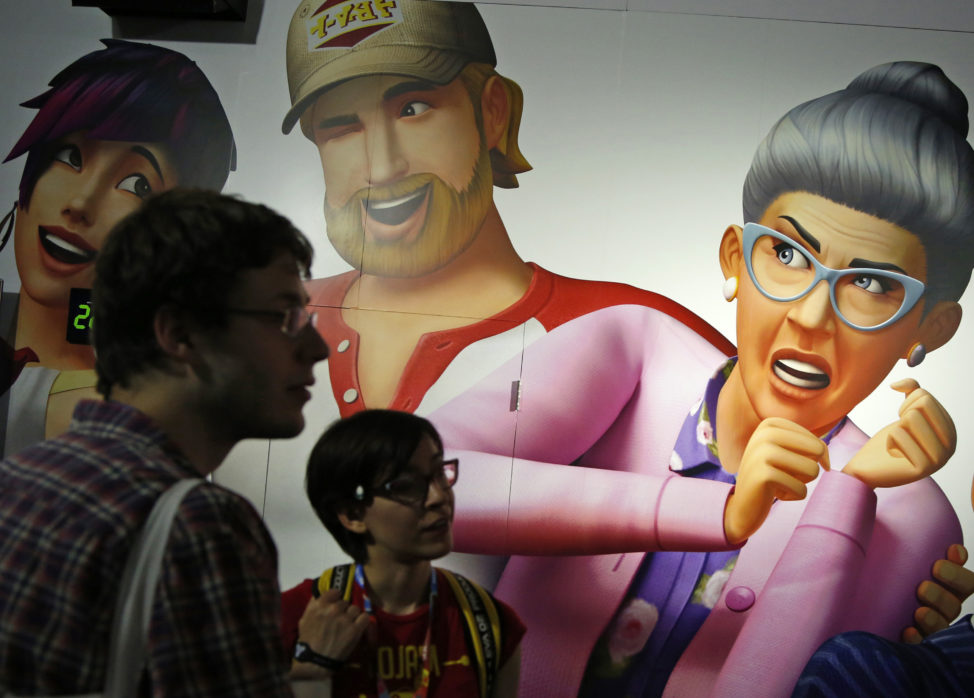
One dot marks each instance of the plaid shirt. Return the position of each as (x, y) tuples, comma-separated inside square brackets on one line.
[(70, 508)]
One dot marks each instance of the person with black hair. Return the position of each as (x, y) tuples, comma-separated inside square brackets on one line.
[(381, 486), (202, 339)]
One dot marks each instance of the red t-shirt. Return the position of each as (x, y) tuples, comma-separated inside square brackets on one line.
[(397, 654)]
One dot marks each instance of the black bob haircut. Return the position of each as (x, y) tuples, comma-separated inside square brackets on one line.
[(367, 449)]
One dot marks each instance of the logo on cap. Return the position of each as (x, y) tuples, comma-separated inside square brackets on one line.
[(345, 23)]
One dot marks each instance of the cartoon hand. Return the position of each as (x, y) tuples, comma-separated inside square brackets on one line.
[(330, 626), (781, 457), (941, 599), (911, 448)]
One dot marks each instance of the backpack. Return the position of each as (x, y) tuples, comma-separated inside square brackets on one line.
[(481, 621)]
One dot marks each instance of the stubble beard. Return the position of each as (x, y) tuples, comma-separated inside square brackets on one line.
[(453, 220)]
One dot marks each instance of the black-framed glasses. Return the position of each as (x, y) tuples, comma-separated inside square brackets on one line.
[(863, 298), (413, 489), (292, 320)]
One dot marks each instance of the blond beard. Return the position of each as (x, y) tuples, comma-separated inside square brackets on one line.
[(453, 219)]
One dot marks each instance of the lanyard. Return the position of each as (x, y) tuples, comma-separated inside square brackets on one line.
[(424, 683)]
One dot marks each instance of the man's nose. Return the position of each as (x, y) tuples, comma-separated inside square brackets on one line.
[(312, 345), (386, 160)]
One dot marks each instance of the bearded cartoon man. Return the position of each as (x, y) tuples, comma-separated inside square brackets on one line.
[(414, 127)]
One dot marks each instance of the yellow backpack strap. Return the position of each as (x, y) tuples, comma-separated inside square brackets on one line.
[(482, 627), (339, 577)]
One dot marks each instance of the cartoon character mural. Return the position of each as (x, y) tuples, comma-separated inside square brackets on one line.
[(439, 296), (852, 258), (115, 126), (410, 322)]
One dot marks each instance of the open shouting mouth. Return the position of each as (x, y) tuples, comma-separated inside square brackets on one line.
[(396, 211), (66, 247), (800, 374)]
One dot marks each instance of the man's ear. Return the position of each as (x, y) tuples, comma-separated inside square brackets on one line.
[(732, 252), (353, 518), (173, 333), (495, 109), (939, 325)]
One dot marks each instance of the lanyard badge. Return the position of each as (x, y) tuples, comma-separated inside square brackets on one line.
[(424, 681)]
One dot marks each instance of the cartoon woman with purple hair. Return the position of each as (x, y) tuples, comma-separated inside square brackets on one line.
[(116, 126)]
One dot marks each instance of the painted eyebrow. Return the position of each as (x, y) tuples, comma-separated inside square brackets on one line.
[(859, 263), (396, 90), (147, 154), (335, 121), (408, 86), (806, 236)]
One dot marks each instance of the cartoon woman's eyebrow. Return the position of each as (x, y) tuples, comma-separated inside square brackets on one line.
[(806, 236), (859, 263), (147, 154)]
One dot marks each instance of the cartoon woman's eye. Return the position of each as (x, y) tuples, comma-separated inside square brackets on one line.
[(414, 109), (872, 284), (136, 184), (790, 256), (70, 155)]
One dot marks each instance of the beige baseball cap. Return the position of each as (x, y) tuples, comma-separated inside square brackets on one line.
[(335, 40)]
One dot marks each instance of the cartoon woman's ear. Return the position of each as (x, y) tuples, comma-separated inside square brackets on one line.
[(732, 252), (939, 325)]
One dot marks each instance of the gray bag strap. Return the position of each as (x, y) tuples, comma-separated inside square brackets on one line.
[(137, 591)]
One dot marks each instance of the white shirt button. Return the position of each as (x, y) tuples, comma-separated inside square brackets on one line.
[(343, 345), (351, 395)]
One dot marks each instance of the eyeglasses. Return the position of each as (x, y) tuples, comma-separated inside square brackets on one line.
[(863, 298), (413, 489), (292, 320)]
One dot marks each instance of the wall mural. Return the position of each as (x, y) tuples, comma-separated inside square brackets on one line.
[(115, 126), (600, 426)]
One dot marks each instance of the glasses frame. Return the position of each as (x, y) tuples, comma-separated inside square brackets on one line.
[(383, 489), (912, 288), (305, 318)]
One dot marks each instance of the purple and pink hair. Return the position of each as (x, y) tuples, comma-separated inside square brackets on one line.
[(130, 91)]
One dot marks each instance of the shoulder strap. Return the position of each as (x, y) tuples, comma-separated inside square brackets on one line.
[(338, 577), (482, 627), (137, 591)]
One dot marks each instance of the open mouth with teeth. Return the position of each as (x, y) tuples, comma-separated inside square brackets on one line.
[(67, 249), (800, 374), (396, 211)]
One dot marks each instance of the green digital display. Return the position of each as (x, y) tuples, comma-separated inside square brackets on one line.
[(79, 316)]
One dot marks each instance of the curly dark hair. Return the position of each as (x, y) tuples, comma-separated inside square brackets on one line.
[(184, 248)]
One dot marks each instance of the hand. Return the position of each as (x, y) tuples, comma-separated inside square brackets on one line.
[(330, 626), (942, 599), (911, 448), (779, 460)]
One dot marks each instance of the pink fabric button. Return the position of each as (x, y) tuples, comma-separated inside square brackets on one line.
[(739, 599)]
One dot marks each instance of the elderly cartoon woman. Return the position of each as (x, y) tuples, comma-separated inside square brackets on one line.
[(860, 211), (115, 126)]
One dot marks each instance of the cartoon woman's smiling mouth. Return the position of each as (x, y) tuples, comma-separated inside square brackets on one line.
[(66, 247)]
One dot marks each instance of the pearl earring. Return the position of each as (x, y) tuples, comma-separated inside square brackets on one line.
[(730, 288)]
